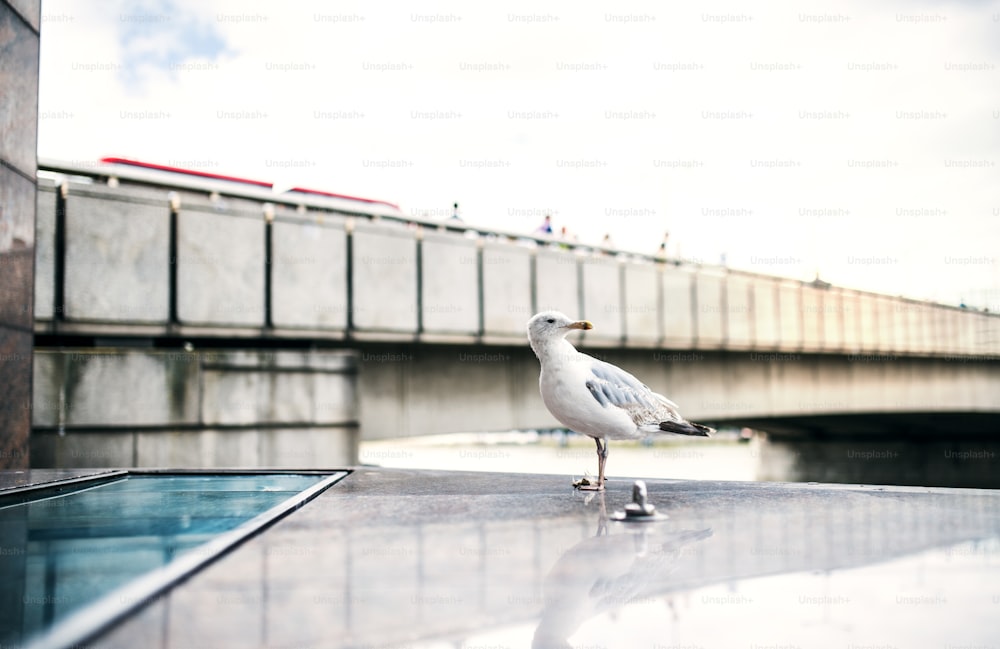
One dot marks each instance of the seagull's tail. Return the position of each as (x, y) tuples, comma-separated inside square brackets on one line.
[(686, 428)]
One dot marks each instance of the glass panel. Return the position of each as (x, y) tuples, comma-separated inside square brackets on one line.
[(61, 552)]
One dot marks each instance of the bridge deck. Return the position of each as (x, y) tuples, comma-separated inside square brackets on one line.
[(187, 259)]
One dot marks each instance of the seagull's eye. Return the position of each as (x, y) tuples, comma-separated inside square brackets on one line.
[(551, 321)]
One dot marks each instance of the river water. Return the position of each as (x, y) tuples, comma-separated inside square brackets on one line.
[(573, 456), (969, 463)]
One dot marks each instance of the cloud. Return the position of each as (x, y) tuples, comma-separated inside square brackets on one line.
[(157, 36)]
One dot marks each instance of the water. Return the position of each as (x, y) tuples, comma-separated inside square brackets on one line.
[(572, 455), (970, 463)]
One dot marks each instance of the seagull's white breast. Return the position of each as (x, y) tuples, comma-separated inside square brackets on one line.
[(563, 385)]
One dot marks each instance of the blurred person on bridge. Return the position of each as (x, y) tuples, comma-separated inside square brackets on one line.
[(545, 229)]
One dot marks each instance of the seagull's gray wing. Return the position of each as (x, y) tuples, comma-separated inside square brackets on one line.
[(614, 387)]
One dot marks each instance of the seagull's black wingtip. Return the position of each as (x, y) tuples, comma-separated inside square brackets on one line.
[(686, 428)]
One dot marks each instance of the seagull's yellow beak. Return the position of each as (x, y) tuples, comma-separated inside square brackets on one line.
[(580, 324)]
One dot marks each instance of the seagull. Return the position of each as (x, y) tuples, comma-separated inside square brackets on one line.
[(596, 398)]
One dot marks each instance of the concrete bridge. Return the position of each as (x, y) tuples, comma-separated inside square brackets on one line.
[(137, 267)]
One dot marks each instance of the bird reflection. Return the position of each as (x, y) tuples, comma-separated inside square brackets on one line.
[(608, 571)]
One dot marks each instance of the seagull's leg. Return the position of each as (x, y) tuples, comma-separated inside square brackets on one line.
[(602, 454), (602, 457)]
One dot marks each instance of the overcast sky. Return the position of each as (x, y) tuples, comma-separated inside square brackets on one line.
[(856, 139)]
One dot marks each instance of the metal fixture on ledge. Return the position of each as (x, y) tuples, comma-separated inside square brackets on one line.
[(639, 510)]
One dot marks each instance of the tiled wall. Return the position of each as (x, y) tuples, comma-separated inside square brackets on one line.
[(19, 37)]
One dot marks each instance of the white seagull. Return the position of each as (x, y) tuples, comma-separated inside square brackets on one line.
[(596, 398)]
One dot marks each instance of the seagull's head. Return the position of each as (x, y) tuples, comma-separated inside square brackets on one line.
[(552, 325)]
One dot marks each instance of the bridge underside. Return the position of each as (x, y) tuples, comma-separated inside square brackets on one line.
[(408, 390), (936, 449), (911, 426)]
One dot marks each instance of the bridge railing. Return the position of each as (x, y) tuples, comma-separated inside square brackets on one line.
[(135, 257)]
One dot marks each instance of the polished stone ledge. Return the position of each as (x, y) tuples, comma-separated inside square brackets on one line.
[(398, 558)]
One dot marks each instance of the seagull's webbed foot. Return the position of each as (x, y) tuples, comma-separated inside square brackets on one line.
[(586, 485)]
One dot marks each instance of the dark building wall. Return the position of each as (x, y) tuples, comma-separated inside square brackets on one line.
[(19, 39)]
